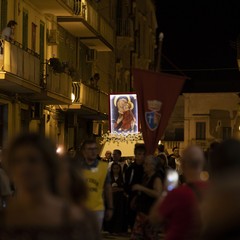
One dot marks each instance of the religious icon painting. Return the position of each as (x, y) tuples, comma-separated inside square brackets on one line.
[(124, 113)]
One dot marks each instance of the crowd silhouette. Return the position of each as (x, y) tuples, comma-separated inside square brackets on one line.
[(44, 195)]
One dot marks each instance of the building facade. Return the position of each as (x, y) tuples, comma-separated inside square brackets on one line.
[(136, 39), (66, 57), (202, 118), (58, 47)]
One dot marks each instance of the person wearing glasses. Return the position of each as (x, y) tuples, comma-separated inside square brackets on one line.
[(98, 181)]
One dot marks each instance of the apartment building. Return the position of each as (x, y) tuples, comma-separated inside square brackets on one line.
[(59, 45), (136, 39)]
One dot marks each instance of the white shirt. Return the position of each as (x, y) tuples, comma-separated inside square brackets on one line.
[(7, 33)]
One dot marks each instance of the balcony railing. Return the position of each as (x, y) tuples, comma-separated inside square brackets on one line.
[(202, 143), (99, 24), (90, 97), (58, 83), (20, 62), (59, 7), (74, 5)]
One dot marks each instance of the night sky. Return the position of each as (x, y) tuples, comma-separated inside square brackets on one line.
[(201, 35)]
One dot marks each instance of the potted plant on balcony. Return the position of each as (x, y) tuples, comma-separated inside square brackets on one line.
[(56, 65)]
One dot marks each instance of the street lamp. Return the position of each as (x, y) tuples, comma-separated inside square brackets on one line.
[(160, 39)]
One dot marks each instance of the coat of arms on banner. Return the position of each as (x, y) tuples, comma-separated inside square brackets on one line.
[(153, 116)]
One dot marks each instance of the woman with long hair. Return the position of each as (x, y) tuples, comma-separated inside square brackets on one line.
[(38, 211), (148, 192), (117, 224)]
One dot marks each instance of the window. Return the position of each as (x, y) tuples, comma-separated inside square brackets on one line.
[(41, 46), (25, 30), (34, 36), (200, 131)]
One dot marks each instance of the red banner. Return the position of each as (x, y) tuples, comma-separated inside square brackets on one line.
[(157, 96)]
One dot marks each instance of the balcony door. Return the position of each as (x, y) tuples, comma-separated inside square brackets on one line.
[(3, 124), (3, 16), (25, 29), (25, 120), (34, 36), (41, 47)]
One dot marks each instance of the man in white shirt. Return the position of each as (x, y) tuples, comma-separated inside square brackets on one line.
[(8, 32)]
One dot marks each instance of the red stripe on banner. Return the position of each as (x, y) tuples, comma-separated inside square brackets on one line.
[(157, 96)]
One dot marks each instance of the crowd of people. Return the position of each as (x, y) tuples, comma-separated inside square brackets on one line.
[(78, 195)]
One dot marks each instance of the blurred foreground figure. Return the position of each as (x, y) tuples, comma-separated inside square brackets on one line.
[(221, 211), (37, 212), (5, 187), (179, 210), (74, 190)]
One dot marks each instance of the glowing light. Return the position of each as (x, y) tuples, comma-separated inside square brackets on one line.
[(59, 150), (204, 176), (73, 97), (171, 181), (159, 143)]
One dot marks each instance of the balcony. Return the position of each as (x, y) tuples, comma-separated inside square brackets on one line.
[(89, 101), (57, 88), (90, 27), (58, 7), (19, 69)]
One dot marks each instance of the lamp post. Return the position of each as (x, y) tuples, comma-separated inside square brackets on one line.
[(160, 39)]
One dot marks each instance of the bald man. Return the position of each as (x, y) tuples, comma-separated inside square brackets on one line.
[(179, 209)]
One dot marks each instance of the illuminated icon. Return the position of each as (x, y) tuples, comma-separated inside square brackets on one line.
[(123, 113)]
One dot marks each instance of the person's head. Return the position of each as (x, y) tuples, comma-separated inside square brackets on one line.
[(121, 103), (90, 150), (226, 158), (150, 165), (33, 163), (161, 148), (192, 162), (116, 169), (175, 151), (96, 76), (117, 154), (12, 24), (108, 154), (139, 152)]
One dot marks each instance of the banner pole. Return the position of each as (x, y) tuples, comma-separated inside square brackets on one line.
[(159, 57)]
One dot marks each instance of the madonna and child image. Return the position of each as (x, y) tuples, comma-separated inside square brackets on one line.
[(123, 113)]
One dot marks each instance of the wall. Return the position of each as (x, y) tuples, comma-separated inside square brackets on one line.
[(211, 108), (105, 66)]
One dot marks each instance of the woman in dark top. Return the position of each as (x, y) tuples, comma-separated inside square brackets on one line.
[(37, 212), (118, 222), (148, 193)]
